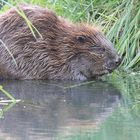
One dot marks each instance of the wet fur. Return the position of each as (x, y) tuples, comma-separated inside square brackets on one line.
[(58, 54)]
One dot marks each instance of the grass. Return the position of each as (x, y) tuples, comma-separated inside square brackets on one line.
[(6, 104), (7, 94), (6, 108), (119, 19), (129, 85)]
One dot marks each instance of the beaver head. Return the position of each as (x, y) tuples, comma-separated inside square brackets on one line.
[(65, 50), (91, 53)]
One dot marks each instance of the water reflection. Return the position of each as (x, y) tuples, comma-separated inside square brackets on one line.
[(50, 111)]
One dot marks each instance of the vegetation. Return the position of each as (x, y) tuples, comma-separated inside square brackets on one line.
[(129, 85), (6, 104), (119, 19)]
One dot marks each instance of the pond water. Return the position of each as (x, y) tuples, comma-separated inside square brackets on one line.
[(54, 110)]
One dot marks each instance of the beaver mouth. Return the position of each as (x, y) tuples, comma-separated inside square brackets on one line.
[(101, 73), (110, 70), (95, 75)]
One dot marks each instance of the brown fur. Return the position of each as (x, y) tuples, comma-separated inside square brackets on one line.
[(65, 50)]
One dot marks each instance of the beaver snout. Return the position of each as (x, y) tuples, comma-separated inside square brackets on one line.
[(118, 61), (112, 64)]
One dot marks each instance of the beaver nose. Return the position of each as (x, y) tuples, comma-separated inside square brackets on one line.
[(112, 64), (118, 60)]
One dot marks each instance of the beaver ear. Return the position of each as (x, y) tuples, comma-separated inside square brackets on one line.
[(81, 39)]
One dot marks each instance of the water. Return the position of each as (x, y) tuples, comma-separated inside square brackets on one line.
[(57, 110)]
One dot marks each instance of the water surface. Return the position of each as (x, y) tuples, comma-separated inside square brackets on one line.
[(50, 111)]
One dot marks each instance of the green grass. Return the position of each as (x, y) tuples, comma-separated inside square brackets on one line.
[(6, 103), (129, 85), (119, 19), (7, 94)]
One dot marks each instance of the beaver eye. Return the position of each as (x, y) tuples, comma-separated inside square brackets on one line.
[(81, 39)]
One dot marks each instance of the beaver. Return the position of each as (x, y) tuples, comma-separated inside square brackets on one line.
[(59, 49)]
